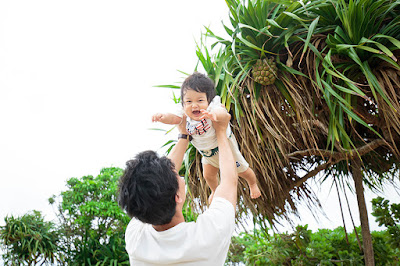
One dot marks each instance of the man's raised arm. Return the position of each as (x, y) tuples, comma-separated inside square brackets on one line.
[(177, 153), (229, 177)]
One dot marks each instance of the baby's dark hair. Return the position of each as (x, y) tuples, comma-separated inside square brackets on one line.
[(200, 83), (148, 187)]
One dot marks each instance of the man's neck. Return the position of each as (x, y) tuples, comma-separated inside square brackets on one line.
[(177, 219)]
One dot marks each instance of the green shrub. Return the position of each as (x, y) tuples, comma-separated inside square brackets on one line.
[(304, 247)]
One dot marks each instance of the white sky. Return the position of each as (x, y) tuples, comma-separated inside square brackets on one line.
[(76, 89)]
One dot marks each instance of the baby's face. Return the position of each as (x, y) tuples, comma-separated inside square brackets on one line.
[(193, 102)]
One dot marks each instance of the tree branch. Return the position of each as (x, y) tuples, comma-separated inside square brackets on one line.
[(335, 157), (339, 155), (312, 173), (310, 152)]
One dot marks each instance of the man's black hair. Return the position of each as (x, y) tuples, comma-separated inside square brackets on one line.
[(148, 187), (200, 83)]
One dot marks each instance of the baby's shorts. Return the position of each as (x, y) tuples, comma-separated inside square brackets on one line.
[(212, 157)]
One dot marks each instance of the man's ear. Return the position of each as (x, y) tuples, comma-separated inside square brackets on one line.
[(178, 199)]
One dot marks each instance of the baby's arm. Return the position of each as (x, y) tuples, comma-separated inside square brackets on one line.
[(166, 118)]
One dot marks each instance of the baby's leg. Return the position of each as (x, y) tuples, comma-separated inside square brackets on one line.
[(210, 175), (251, 179)]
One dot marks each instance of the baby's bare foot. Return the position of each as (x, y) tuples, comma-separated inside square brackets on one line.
[(254, 191)]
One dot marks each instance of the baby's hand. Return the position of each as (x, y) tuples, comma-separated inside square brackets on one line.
[(158, 118), (166, 118), (208, 115)]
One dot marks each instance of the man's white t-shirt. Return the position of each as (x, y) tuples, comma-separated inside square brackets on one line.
[(204, 242)]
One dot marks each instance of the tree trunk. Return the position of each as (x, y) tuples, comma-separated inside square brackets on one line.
[(366, 234)]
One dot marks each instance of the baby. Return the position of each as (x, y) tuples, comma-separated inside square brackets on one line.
[(201, 105)]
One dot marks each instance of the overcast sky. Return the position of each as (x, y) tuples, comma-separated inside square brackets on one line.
[(77, 89)]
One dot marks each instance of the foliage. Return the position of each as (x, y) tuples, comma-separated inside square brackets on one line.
[(91, 221), (29, 240), (388, 216), (333, 109), (303, 247), (336, 96), (90, 231)]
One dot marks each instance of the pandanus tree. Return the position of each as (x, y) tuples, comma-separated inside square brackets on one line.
[(330, 103), (29, 240)]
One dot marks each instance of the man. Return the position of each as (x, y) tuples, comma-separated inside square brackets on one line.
[(152, 192)]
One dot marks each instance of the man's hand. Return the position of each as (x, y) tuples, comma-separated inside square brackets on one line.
[(167, 118), (182, 125), (219, 117)]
